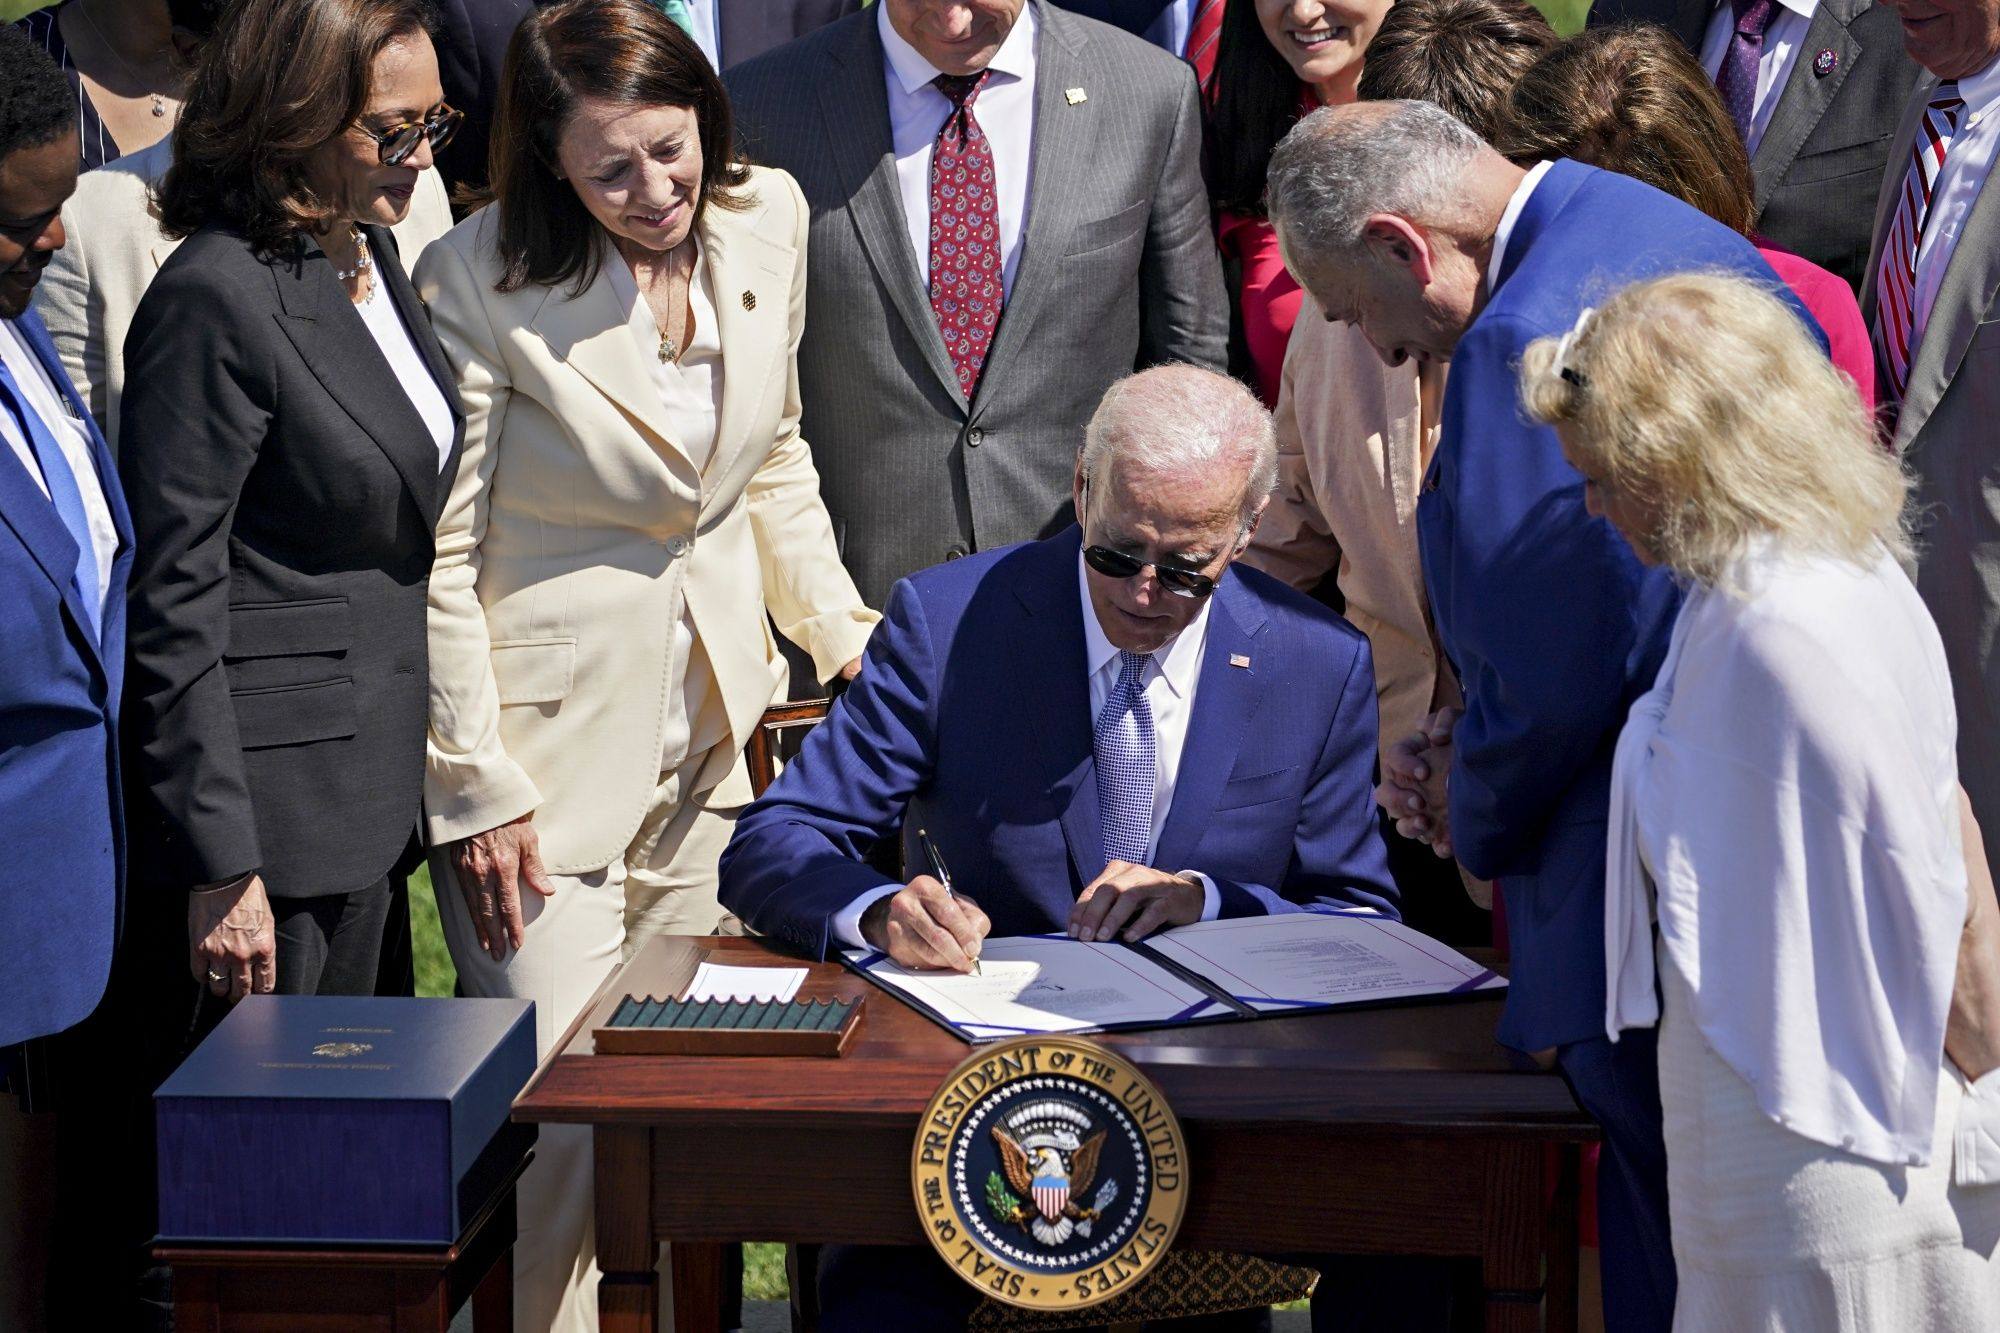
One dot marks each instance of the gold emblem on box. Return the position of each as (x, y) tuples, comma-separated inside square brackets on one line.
[(1050, 1173), (342, 1050)]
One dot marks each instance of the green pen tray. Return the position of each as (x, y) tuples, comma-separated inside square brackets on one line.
[(650, 1026)]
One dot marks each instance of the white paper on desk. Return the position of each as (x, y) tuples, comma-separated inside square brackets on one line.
[(713, 981), (1296, 960), (1036, 983)]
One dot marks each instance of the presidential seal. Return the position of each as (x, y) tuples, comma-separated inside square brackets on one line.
[(342, 1050), (1050, 1173)]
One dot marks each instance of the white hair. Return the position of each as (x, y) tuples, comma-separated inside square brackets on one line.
[(1340, 165), (1180, 419)]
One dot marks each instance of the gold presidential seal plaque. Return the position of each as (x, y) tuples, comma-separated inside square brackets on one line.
[(1050, 1173)]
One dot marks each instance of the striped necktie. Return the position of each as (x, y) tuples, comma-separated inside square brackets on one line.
[(1896, 280), (1204, 37), (1124, 747)]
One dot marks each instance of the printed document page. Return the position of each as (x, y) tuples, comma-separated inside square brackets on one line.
[(1040, 983), (1297, 960)]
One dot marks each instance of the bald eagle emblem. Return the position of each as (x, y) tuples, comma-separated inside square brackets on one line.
[(1049, 1168)]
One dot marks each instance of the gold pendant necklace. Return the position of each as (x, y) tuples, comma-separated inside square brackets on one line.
[(668, 350)]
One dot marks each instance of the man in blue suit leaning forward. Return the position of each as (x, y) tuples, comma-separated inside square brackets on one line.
[(1403, 222), (1108, 731)]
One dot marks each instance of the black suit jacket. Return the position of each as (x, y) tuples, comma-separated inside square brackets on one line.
[(276, 699), (472, 50), (1824, 149)]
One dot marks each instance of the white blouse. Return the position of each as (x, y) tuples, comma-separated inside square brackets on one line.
[(691, 391), (1788, 792), (378, 312)]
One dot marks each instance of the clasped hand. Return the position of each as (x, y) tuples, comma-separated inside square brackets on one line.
[(1413, 782)]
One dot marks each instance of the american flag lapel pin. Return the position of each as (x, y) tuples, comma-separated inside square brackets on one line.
[(1075, 96), (1239, 659)]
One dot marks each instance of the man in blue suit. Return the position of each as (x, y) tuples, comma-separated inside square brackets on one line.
[(1107, 732), (65, 548), (1102, 731), (1399, 220)]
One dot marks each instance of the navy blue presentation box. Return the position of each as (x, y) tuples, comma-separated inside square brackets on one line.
[(336, 1120)]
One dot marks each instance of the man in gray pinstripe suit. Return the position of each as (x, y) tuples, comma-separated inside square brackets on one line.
[(1096, 225)]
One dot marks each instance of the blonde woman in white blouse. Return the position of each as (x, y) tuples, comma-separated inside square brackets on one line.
[(1786, 807), (635, 505)]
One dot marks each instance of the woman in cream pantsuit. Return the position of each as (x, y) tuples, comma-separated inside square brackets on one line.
[(634, 498)]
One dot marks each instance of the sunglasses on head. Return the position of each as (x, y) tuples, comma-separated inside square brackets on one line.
[(1117, 565), (395, 144)]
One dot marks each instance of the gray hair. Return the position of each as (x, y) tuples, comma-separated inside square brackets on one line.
[(1340, 165), (1182, 419)]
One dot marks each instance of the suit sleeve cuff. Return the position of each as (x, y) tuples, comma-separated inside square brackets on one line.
[(847, 921), (1211, 897)]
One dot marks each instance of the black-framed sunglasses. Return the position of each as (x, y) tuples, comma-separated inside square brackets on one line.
[(395, 144), (1118, 565)]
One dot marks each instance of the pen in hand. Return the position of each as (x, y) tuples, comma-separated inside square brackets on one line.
[(942, 875)]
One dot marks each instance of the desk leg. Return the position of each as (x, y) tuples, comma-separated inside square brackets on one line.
[(493, 1298), (628, 1294), (697, 1271), (1517, 1236), (1563, 1256)]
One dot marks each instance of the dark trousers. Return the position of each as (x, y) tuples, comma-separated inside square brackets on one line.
[(1618, 1085), (865, 1288), (346, 943)]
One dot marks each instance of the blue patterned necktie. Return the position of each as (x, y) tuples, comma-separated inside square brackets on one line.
[(1123, 741), (65, 495)]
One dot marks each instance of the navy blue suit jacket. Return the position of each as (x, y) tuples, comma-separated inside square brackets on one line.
[(971, 719), (1552, 623), (59, 800)]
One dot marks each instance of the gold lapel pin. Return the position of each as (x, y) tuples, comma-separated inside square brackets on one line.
[(1075, 96), (749, 300), (1239, 659)]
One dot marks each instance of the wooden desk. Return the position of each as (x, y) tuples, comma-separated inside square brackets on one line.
[(1387, 1131)]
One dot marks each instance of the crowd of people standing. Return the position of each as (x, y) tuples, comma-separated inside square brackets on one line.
[(438, 429)]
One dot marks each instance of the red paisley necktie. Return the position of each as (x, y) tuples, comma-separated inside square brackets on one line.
[(966, 293)]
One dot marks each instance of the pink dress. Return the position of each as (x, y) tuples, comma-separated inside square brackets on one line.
[(1832, 303), (1269, 299)]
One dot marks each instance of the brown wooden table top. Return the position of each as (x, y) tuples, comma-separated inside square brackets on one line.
[(1429, 1069)]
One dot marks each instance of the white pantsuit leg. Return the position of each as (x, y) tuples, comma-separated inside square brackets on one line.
[(665, 883)]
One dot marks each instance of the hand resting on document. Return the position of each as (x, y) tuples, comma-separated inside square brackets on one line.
[(1134, 901), (924, 925)]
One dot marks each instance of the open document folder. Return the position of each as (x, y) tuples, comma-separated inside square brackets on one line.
[(1244, 967)]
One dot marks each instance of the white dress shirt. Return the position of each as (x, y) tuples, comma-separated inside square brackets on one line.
[(1782, 38), (1169, 683), (1005, 110), (385, 325), (1966, 166), (71, 436), (691, 392), (1505, 231), (1797, 827)]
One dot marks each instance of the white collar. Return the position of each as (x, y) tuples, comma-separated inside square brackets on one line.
[(1505, 231), (1015, 58), (1980, 91), (1803, 8), (1178, 660)]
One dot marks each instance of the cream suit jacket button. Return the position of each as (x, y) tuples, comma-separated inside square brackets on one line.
[(677, 546)]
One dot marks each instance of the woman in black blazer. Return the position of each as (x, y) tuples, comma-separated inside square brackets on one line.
[(290, 433)]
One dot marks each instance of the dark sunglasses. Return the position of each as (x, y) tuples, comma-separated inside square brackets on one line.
[(395, 144), (1117, 565)]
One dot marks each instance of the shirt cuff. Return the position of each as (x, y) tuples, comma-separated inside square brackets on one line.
[(1211, 897), (847, 921)]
